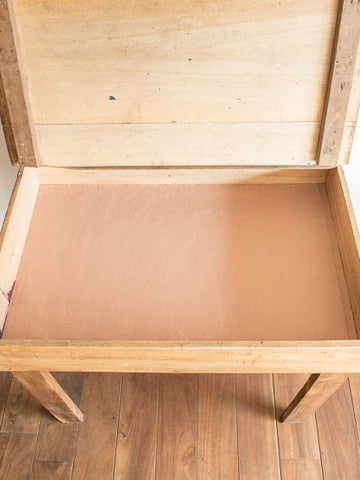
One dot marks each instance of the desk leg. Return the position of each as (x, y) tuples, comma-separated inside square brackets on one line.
[(44, 387), (318, 388)]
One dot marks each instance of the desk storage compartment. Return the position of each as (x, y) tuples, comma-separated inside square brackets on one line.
[(181, 204), (184, 256)]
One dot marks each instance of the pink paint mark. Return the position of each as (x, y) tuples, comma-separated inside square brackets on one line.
[(11, 291)]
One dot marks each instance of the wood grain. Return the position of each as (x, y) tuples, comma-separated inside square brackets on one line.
[(22, 412), (256, 428), (14, 107), (15, 228), (179, 176), (347, 235), (138, 423), (317, 389), (165, 62), (16, 455), (48, 447), (181, 144), (332, 356), (177, 429), (48, 392), (5, 381), (297, 441), (94, 456), (300, 469), (51, 470), (338, 439), (217, 442), (343, 76)]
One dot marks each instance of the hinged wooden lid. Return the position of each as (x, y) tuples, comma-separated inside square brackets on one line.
[(179, 82)]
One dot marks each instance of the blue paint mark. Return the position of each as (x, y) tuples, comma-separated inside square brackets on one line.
[(111, 97)]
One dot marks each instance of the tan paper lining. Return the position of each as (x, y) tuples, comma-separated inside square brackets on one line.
[(181, 262)]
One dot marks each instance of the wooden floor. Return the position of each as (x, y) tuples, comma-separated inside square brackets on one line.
[(179, 427)]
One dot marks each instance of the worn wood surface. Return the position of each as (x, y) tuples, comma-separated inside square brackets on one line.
[(343, 79), (348, 236), (225, 74), (44, 387), (14, 106), (317, 389), (331, 356), (181, 144), (334, 433), (14, 230), (179, 176)]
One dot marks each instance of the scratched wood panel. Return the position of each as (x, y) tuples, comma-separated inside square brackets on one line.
[(269, 143), (158, 61)]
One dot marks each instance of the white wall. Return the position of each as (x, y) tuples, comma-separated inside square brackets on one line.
[(7, 176), (352, 173)]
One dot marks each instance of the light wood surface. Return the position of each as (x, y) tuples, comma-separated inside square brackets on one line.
[(184, 144), (317, 389), (49, 393), (179, 176), (184, 74), (14, 106), (343, 76), (14, 231), (162, 62), (347, 236), (342, 356)]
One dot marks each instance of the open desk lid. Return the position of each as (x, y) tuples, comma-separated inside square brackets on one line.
[(179, 82)]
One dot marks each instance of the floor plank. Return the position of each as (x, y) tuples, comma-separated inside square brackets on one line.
[(300, 469), (51, 430), (94, 457), (16, 455), (256, 427), (177, 431), (338, 439), (22, 411), (51, 470), (5, 381), (217, 441), (298, 442), (137, 433)]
